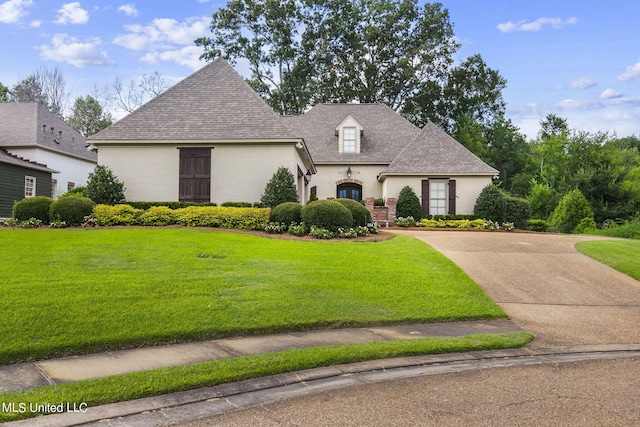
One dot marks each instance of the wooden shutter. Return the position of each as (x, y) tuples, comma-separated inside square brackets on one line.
[(452, 196), (425, 196), (195, 175)]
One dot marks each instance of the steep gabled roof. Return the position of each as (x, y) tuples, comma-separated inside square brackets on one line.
[(5, 157), (212, 104), (433, 151), (384, 132), (32, 125)]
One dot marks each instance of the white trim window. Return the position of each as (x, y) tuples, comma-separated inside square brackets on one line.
[(349, 139), (438, 198), (29, 186)]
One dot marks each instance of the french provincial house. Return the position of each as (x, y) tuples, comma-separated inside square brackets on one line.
[(212, 138), (30, 131)]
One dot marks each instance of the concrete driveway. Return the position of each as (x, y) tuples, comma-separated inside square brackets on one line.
[(546, 286)]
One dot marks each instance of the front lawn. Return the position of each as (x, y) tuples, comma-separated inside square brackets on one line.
[(623, 255), (76, 291)]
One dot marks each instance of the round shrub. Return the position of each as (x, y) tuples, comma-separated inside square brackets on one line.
[(491, 204), (327, 214), (286, 213), (518, 212), (408, 204), (571, 210), (75, 192), (361, 215), (33, 207), (71, 210)]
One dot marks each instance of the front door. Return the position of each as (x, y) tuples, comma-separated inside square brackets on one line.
[(350, 191)]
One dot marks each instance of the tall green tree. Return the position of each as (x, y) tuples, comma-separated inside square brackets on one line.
[(88, 117), (29, 89), (553, 125), (45, 86), (264, 33), (509, 152), (471, 89), (389, 51)]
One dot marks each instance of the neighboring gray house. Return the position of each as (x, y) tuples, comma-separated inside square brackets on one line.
[(212, 138), (20, 178), (30, 131)]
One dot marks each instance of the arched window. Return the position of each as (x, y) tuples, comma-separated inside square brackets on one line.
[(349, 190)]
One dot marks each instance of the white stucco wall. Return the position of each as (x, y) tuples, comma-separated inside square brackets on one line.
[(327, 176), (467, 188), (72, 169), (239, 172), (149, 173)]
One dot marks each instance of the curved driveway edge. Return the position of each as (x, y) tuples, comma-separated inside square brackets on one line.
[(545, 285)]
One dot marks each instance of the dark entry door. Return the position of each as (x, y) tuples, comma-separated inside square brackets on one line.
[(195, 175)]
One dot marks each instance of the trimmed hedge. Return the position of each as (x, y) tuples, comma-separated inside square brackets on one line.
[(223, 217), (71, 210), (361, 215), (117, 215), (172, 205), (33, 207), (158, 216), (192, 216), (327, 214), (287, 213)]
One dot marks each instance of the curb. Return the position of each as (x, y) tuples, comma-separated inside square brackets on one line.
[(182, 406)]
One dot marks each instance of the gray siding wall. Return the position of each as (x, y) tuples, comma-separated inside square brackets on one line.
[(12, 186)]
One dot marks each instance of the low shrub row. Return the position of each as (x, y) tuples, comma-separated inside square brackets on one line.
[(192, 216), (480, 224)]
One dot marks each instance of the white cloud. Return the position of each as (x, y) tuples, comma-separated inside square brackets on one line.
[(536, 25), (632, 73), (610, 94), (128, 9), (12, 10), (187, 56), (582, 83), (65, 48), (163, 33), (72, 13), (35, 24)]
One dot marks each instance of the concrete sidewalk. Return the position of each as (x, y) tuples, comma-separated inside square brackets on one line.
[(25, 376)]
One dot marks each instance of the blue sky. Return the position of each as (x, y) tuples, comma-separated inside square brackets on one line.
[(577, 59)]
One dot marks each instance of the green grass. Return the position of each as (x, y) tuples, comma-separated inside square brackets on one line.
[(168, 380), (77, 291), (623, 255)]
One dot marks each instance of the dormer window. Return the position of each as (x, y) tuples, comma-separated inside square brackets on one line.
[(349, 133), (349, 140)]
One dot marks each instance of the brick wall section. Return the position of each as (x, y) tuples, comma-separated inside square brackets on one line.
[(384, 214)]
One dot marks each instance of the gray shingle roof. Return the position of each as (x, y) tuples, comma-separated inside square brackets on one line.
[(5, 157), (21, 125), (212, 104), (433, 151), (385, 132)]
